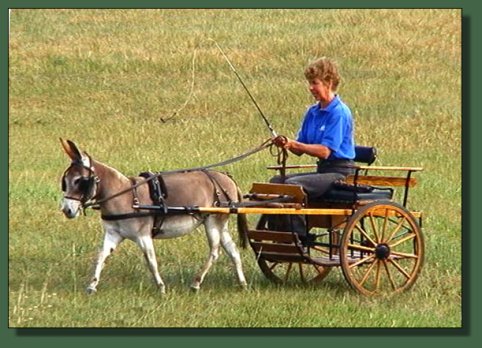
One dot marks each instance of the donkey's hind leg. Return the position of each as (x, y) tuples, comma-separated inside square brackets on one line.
[(213, 227), (111, 241), (230, 247)]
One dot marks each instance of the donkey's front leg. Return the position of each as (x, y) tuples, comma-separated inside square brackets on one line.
[(147, 246), (111, 241)]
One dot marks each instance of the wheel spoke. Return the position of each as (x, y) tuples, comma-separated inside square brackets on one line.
[(364, 233), (385, 264), (379, 273), (360, 248), (290, 265), (282, 271), (403, 255), (384, 228), (404, 239), (364, 260), (273, 266), (367, 273), (397, 228), (320, 249), (397, 266), (374, 228), (302, 274)]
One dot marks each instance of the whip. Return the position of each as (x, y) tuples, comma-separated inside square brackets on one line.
[(273, 133)]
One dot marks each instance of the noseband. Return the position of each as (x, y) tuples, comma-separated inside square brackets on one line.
[(87, 185)]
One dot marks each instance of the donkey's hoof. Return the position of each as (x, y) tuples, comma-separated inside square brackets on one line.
[(91, 290), (195, 287)]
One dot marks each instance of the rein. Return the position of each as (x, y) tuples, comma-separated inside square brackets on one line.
[(267, 143), (281, 155)]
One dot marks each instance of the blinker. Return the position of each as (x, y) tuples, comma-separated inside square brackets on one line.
[(84, 184)]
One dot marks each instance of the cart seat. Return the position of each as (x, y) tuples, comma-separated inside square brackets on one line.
[(340, 195), (349, 193), (342, 192)]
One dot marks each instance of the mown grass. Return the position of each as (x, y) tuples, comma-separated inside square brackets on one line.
[(104, 78)]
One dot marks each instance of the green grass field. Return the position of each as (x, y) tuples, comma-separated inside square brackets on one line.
[(105, 78)]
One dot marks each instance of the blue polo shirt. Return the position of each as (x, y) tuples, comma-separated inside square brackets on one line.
[(331, 127)]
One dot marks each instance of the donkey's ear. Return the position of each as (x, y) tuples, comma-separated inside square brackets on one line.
[(71, 150)]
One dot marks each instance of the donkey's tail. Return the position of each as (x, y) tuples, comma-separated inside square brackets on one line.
[(242, 225)]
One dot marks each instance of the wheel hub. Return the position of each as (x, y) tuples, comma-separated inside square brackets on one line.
[(382, 251)]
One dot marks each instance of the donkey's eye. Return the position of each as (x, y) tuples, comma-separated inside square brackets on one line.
[(76, 181)]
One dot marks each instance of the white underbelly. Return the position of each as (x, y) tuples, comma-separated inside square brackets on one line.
[(177, 226)]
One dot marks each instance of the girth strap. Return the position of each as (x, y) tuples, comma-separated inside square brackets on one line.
[(132, 215)]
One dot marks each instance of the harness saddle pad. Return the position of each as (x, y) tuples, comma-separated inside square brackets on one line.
[(157, 187)]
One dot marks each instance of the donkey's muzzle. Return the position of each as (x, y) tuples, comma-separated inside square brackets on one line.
[(70, 208)]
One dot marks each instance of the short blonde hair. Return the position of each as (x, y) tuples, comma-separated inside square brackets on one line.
[(324, 69)]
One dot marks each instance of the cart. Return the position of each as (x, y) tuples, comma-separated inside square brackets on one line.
[(358, 226)]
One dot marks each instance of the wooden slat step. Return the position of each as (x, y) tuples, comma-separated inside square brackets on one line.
[(332, 261), (275, 247), (327, 261), (282, 237), (280, 257)]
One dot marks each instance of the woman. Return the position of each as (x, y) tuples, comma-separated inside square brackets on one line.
[(326, 133)]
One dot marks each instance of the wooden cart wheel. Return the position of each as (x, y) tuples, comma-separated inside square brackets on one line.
[(382, 249), (289, 272)]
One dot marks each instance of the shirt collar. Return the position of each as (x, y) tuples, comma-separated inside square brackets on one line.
[(332, 104)]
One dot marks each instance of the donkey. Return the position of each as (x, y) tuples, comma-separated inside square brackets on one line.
[(87, 182)]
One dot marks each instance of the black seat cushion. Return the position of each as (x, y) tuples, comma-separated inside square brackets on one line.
[(350, 196), (342, 192)]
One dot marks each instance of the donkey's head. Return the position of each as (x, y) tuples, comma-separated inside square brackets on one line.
[(79, 181)]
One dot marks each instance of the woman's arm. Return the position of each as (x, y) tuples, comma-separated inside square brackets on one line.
[(298, 148)]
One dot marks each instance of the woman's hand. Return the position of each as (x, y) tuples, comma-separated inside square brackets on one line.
[(315, 150), (281, 141)]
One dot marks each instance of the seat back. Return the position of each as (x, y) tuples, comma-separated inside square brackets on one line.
[(365, 154)]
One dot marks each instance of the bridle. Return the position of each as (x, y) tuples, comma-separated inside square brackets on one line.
[(87, 185)]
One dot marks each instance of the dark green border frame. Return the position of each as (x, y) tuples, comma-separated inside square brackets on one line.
[(467, 336)]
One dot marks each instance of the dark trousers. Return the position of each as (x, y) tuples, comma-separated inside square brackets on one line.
[(315, 186)]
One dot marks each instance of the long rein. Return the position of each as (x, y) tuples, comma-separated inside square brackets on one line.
[(266, 144), (281, 155)]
